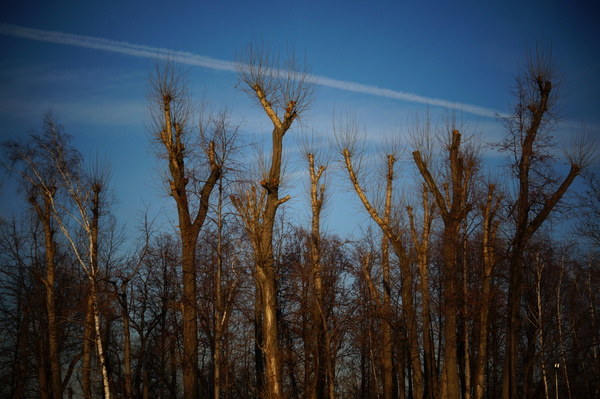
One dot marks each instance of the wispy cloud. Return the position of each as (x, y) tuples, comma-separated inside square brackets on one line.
[(138, 50)]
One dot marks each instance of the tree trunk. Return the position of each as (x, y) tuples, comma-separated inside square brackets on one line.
[(41, 370), (190, 317), (453, 210), (540, 323), (386, 312), (219, 311), (45, 217), (99, 344), (409, 312), (559, 323), (324, 384), (259, 218), (489, 260), (87, 349), (450, 238), (465, 312), (172, 112), (270, 331), (422, 246), (126, 346), (93, 279), (259, 359), (289, 94), (20, 364)]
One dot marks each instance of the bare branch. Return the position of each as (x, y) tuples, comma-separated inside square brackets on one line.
[(284, 89), (581, 149)]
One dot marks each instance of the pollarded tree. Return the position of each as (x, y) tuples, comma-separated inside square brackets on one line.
[(188, 157), (324, 374), (534, 114), (347, 134), (452, 201), (283, 89), (421, 242)]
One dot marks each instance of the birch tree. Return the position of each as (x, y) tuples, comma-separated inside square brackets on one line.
[(35, 165), (90, 197)]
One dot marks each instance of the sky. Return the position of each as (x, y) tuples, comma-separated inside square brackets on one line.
[(385, 61)]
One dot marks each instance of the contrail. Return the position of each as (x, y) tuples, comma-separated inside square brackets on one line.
[(113, 46), (138, 50)]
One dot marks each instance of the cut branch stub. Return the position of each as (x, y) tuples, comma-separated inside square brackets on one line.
[(290, 111)]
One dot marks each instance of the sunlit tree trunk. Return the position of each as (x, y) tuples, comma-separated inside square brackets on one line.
[(386, 326), (324, 385), (258, 214)]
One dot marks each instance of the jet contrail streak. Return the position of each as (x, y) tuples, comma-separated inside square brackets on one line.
[(138, 50)]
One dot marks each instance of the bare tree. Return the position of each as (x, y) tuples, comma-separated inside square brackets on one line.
[(35, 165), (122, 289), (588, 226), (324, 383), (22, 319), (347, 134), (421, 242), (225, 138), (489, 210), (171, 126), (90, 197), (451, 200), (535, 113), (283, 89)]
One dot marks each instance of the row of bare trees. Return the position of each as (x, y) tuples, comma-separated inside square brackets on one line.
[(456, 290)]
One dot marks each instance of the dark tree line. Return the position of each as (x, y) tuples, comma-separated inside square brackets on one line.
[(458, 289)]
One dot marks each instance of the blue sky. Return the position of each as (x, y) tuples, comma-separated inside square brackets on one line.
[(387, 60)]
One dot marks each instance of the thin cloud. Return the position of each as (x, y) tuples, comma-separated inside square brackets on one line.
[(138, 50)]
